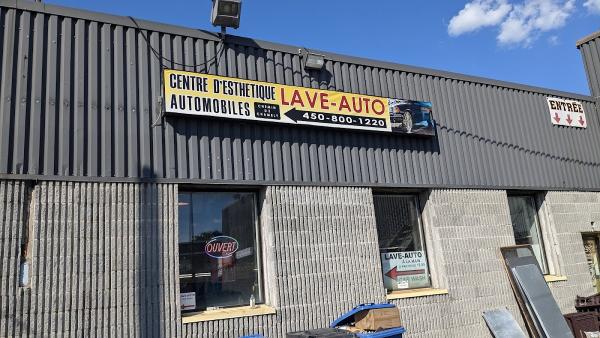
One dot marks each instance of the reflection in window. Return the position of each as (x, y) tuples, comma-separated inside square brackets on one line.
[(526, 227), (402, 251), (218, 253)]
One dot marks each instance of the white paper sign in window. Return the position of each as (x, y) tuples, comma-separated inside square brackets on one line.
[(188, 301), (404, 270)]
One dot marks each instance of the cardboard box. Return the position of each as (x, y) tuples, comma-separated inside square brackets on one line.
[(377, 319), (352, 329)]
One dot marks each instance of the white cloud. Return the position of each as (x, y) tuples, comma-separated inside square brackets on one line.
[(527, 20), (477, 14), (553, 40), (519, 24), (593, 6)]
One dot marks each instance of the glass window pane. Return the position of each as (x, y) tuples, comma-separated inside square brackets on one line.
[(526, 227), (403, 257), (590, 245), (218, 253), (185, 217)]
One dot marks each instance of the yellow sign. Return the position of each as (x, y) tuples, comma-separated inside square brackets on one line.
[(225, 97)]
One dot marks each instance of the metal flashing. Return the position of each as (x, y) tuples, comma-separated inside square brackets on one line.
[(587, 39), (377, 187)]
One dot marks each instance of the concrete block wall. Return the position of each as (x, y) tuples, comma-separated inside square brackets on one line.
[(102, 260), (13, 300), (326, 260), (570, 214), (464, 230), (322, 259)]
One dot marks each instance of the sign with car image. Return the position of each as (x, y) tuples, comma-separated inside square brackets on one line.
[(224, 97), (411, 117)]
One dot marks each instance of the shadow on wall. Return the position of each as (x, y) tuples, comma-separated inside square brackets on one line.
[(202, 127), (213, 129), (317, 78), (155, 220), (100, 259), (146, 222)]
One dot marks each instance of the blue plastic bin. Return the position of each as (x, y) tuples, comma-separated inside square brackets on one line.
[(348, 319)]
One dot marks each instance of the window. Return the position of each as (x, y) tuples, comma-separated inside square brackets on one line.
[(401, 245), (591, 243), (218, 251), (526, 226)]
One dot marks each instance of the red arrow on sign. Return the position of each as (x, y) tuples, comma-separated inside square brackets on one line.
[(569, 119), (556, 118), (394, 273), (581, 120)]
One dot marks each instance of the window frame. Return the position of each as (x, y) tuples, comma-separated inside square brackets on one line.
[(421, 224), (542, 231), (257, 239), (595, 237)]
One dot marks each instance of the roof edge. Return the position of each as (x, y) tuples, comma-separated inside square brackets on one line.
[(126, 21), (258, 183), (587, 39)]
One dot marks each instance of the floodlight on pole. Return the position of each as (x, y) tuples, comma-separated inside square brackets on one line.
[(312, 60), (226, 13)]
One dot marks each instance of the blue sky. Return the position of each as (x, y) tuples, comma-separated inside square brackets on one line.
[(524, 41)]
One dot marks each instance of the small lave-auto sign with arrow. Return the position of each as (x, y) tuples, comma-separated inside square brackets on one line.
[(566, 112), (188, 300), (404, 269)]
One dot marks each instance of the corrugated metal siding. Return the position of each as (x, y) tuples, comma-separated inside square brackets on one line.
[(79, 97), (102, 261), (590, 50)]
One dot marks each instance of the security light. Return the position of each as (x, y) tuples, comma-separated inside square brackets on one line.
[(226, 13), (312, 60)]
